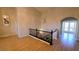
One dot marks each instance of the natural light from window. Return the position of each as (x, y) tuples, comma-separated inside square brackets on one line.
[(68, 36)]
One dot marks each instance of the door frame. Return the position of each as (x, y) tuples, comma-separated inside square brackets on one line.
[(69, 19)]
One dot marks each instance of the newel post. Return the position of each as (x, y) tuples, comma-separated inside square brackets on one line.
[(51, 42), (36, 32)]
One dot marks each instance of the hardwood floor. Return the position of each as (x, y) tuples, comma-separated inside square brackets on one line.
[(13, 43)]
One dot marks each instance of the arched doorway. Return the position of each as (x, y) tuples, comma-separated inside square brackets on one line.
[(69, 30)]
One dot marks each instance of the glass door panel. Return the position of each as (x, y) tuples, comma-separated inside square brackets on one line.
[(72, 26), (70, 36), (68, 32), (66, 26), (65, 35)]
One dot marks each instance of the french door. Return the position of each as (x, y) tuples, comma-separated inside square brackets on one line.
[(69, 31)]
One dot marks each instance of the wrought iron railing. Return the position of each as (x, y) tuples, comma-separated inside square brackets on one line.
[(43, 35)]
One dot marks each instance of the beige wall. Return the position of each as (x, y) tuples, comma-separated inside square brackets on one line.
[(54, 16), (27, 18), (21, 19), (10, 29)]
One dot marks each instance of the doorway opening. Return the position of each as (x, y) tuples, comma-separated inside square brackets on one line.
[(69, 31)]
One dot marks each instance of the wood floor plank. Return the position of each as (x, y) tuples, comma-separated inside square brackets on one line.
[(13, 43)]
